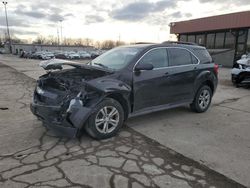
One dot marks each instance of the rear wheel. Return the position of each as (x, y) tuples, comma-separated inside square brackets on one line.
[(202, 99), (107, 119)]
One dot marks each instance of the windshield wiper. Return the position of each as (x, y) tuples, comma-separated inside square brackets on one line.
[(104, 66)]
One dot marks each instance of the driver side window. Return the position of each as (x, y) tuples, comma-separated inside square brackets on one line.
[(157, 57)]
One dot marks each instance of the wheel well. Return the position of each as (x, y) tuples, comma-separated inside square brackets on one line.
[(209, 84), (118, 97)]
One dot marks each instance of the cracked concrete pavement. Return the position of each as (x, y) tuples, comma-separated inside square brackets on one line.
[(31, 156)]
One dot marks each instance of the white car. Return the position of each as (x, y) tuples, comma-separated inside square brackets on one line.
[(84, 55), (47, 55), (73, 56), (241, 71)]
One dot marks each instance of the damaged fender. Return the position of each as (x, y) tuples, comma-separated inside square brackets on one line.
[(80, 113)]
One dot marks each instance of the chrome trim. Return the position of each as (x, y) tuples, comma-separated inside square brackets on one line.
[(167, 66)]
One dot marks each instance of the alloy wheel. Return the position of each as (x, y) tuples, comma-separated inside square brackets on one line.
[(204, 99), (107, 119)]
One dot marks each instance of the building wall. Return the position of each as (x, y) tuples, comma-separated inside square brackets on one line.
[(236, 41), (223, 57)]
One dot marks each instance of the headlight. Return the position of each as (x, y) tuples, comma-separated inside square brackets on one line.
[(39, 90)]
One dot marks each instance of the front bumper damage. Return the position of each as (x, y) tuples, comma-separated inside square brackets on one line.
[(241, 71), (66, 122), (241, 75)]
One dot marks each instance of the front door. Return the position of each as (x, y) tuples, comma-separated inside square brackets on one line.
[(148, 85)]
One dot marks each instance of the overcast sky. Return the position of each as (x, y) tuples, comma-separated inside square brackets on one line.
[(132, 20)]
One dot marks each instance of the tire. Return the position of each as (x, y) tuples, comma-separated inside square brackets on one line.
[(106, 120), (202, 99)]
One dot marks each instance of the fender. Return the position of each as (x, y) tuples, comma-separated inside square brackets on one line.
[(114, 88), (109, 85), (203, 77)]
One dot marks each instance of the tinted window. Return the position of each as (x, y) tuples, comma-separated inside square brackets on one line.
[(210, 41), (191, 38), (200, 39), (183, 38), (157, 57), (229, 40), (219, 41), (248, 41), (179, 57), (203, 55), (242, 36)]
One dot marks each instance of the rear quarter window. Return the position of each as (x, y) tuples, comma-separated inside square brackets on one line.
[(203, 55)]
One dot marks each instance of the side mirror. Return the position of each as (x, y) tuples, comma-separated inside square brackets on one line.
[(144, 66)]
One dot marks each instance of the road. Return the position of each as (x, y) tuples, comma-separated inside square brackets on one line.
[(165, 149)]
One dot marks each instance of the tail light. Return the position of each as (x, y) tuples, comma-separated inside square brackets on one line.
[(216, 68)]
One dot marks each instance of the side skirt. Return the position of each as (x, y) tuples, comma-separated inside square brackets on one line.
[(149, 110)]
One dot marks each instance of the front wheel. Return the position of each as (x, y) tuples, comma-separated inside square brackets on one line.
[(202, 99), (107, 119)]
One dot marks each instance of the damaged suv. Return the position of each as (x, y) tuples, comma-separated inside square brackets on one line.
[(241, 71), (121, 83)]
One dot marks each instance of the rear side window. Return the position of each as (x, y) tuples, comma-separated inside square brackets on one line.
[(203, 55), (179, 56)]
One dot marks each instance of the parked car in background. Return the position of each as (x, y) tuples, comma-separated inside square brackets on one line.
[(121, 83), (2, 51), (37, 55), (241, 71), (84, 55), (47, 55), (73, 55), (60, 55), (94, 54)]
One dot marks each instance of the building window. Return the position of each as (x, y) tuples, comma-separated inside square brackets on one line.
[(248, 41), (191, 38), (229, 40), (242, 36), (183, 38), (210, 40), (200, 39), (219, 40)]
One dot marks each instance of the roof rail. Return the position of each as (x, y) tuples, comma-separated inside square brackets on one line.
[(179, 42), (145, 43)]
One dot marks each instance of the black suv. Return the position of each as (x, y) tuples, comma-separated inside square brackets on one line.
[(123, 82)]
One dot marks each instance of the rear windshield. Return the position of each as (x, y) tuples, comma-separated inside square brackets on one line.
[(203, 55)]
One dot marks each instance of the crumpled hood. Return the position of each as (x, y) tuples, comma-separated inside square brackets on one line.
[(244, 61), (54, 64)]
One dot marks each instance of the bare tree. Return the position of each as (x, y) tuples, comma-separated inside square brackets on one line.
[(40, 40)]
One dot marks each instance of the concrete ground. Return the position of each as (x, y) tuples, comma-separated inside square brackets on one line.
[(31, 156)]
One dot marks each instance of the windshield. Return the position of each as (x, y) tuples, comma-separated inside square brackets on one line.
[(116, 58)]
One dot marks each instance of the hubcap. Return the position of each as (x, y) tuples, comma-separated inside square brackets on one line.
[(204, 99), (107, 119)]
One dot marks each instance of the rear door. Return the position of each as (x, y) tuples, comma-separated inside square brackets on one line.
[(182, 72)]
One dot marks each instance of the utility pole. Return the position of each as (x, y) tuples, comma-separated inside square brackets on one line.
[(61, 31), (58, 38), (7, 24)]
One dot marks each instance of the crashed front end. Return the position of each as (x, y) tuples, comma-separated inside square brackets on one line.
[(241, 72), (63, 100)]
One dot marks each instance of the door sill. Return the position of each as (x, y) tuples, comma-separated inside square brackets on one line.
[(149, 110)]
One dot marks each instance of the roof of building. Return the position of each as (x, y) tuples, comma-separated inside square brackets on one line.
[(220, 22)]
